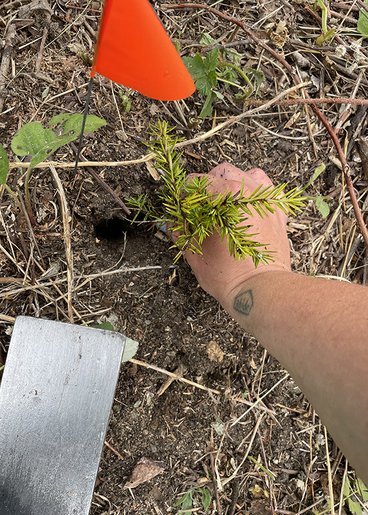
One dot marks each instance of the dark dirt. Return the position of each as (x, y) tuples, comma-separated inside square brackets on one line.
[(164, 309)]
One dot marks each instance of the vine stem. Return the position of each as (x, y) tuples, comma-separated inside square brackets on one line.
[(297, 80)]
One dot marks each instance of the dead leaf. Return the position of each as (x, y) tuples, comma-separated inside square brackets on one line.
[(152, 171), (214, 352), (144, 471), (279, 33)]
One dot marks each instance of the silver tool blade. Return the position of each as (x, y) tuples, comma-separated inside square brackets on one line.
[(55, 399)]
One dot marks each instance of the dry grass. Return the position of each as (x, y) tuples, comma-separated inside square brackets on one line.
[(53, 270)]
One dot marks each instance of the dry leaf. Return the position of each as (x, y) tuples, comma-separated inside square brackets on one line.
[(152, 171), (214, 352), (144, 471)]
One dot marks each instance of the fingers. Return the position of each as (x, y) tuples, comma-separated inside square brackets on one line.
[(230, 172), (260, 177), (227, 171), (227, 177), (218, 185)]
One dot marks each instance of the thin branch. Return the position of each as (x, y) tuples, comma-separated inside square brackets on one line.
[(312, 101), (174, 376), (67, 241)]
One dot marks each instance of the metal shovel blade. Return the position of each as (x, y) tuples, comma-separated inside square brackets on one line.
[(55, 399)]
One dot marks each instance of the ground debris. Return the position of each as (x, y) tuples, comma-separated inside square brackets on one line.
[(144, 471)]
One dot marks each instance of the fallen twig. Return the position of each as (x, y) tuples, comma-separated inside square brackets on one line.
[(313, 101), (5, 61), (216, 480), (67, 241), (174, 376)]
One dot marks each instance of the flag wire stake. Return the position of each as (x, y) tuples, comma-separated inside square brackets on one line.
[(85, 113)]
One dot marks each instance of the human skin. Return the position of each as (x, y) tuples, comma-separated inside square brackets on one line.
[(316, 328)]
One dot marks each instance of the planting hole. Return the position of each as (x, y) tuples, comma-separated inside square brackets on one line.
[(112, 229)]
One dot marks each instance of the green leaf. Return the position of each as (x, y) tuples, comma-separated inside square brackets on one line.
[(203, 71), (72, 123), (207, 39), (31, 139), (362, 489), (39, 142), (363, 22), (346, 487), (185, 502), (317, 172), (59, 119), (257, 76), (130, 350), (325, 37), (355, 507), (205, 498), (126, 103), (93, 123), (107, 326), (322, 206), (207, 106), (4, 165)]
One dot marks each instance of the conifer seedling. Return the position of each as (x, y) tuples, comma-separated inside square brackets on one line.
[(194, 214)]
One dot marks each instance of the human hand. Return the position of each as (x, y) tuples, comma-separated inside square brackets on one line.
[(220, 274)]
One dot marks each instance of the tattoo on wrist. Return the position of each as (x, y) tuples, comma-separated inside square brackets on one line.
[(243, 302)]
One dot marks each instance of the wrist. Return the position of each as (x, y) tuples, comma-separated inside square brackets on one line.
[(252, 299)]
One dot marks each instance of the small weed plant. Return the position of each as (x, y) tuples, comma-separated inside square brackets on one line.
[(196, 497), (37, 142), (356, 495), (221, 67), (193, 213)]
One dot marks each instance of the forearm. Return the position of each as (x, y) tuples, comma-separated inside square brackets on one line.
[(318, 330)]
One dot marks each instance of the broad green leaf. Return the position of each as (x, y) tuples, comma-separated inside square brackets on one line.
[(203, 71), (72, 123), (322, 206), (205, 498), (130, 350), (59, 119), (4, 165), (39, 142), (185, 502), (346, 487), (362, 489), (363, 22), (31, 139), (212, 60), (355, 507)]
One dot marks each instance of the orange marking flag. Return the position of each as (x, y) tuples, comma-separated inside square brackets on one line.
[(133, 49)]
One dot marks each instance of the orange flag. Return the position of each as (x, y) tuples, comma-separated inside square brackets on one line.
[(133, 49)]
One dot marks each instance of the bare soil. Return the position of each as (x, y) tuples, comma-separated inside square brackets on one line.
[(273, 459)]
